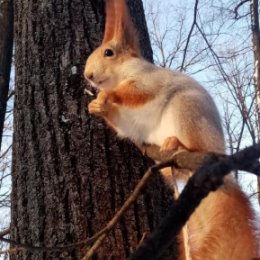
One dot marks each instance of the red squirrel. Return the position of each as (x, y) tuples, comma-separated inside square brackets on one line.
[(154, 105)]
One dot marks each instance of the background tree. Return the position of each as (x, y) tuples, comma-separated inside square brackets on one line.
[(6, 46), (70, 173), (256, 47)]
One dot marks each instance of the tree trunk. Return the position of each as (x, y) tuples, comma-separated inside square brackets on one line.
[(70, 172), (6, 47), (256, 48)]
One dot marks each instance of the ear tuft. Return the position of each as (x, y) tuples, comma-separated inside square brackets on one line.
[(119, 26), (110, 21)]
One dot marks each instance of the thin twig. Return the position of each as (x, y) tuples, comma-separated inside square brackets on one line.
[(238, 6), (4, 232), (33, 248), (194, 22), (5, 152), (10, 251), (95, 247)]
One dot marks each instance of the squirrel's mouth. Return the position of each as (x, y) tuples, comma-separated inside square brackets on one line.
[(103, 83), (100, 82), (96, 84)]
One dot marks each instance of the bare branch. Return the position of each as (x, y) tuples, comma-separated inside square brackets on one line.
[(4, 232), (5, 152), (190, 33), (238, 6)]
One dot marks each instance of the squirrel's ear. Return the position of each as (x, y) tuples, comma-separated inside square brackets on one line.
[(119, 25), (125, 31), (110, 21)]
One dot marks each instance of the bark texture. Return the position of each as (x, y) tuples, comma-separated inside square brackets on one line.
[(6, 47), (70, 172)]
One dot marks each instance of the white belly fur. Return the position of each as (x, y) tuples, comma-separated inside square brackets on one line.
[(146, 124)]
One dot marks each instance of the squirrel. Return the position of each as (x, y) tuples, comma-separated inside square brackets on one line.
[(153, 105)]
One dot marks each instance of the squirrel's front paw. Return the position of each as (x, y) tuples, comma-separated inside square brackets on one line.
[(100, 105), (97, 107)]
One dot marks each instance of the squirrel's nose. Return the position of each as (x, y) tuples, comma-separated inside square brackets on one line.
[(89, 75)]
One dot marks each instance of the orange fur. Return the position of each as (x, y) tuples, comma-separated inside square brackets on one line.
[(108, 102), (127, 94), (124, 30), (220, 228), (119, 26), (110, 21)]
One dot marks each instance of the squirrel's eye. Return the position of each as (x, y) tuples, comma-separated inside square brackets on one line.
[(108, 53)]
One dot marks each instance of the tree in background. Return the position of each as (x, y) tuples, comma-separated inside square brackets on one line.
[(256, 48), (6, 46)]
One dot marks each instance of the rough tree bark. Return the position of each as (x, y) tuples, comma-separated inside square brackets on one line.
[(6, 47), (256, 47), (70, 173)]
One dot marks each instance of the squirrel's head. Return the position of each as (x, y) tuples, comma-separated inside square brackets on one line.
[(120, 43)]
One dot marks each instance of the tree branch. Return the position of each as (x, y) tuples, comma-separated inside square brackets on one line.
[(4, 232), (238, 6), (190, 33)]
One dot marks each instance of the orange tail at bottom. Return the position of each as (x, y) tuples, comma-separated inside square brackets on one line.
[(222, 227)]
